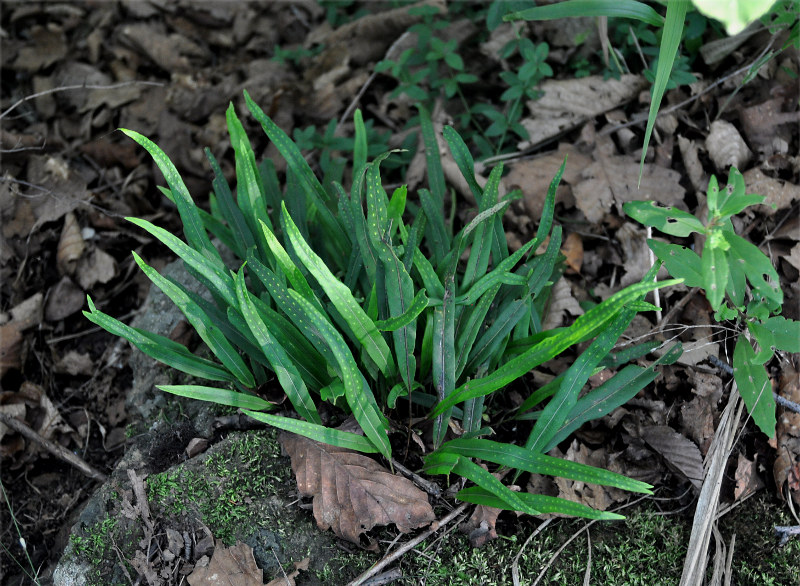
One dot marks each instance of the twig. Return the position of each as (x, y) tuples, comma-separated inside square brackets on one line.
[(785, 533), (515, 565), (76, 87), (430, 487), (409, 545), (53, 448)]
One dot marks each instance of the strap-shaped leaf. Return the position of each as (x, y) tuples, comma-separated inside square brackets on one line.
[(613, 393), (669, 220), (543, 503), (578, 8), (218, 396), (241, 231), (360, 324), (202, 324), (495, 277), (558, 408), (443, 362), (288, 375), (754, 386), (464, 160), (286, 265), (218, 279), (357, 392), (520, 458), (438, 239), (550, 204), (335, 236), (192, 225), (586, 325), (418, 305), (320, 433), (470, 323), (478, 261), (447, 462), (428, 275), (159, 347)]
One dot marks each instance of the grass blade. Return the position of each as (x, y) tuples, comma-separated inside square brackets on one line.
[(218, 396), (289, 377), (443, 362), (543, 503), (192, 225), (578, 8), (362, 326)]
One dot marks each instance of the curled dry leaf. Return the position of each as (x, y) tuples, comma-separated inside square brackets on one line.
[(70, 245), (726, 147), (353, 493), (679, 452), (561, 300), (229, 566)]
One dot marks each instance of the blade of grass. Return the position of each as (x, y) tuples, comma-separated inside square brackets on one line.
[(218, 396)]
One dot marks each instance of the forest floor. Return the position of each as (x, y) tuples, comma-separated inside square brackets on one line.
[(73, 73)]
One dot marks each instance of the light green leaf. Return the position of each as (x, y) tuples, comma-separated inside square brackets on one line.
[(754, 386), (320, 433), (786, 333), (671, 220), (362, 326), (757, 267), (204, 326), (734, 14), (681, 262), (288, 375), (218, 396), (579, 8), (715, 273), (543, 503)]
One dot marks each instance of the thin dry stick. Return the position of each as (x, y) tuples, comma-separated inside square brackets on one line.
[(409, 545), (587, 576), (515, 565), (554, 557), (76, 87), (53, 448)]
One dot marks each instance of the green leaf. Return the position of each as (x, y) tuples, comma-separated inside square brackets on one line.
[(555, 413), (543, 503), (757, 267), (357, 392), (192, 224), (447, 462), (362, 326), (786, 333), (671, 220), (320, 433), (289, 376), (230, 211), (217, 279), (734, 14), (586, 325), (159, 347), (520, 458), (287, 266), (765, 339), (681, 262), (667, 51), (613, 393), (204, 326), (463, 159), (733, 200), (443, 362), (715, 273), (218, 396), (417, 306), (754, 386), (579, 8)]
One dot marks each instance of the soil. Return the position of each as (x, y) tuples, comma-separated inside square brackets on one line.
[(73, 73)]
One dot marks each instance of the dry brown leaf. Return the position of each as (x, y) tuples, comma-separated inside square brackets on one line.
[(26, 314), (615, 179), (229, 566), (533, 176), (74, 363), (726, 147), (747, 480), (10, 348), (779, 194), (596, 496), (691, 160), (561, 300), (572, 249), (63, 300), (96, 267), (481, 525), (786, 469), (567, 103), (353, 493), (46, 46), (636, 254), (70, 245), (679, 452), (764, 125), (288, 580)]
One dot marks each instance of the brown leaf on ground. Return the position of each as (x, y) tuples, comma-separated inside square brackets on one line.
[(596, 496), (747, 479), (786, 469), (726, 147), (480, 527), (229, 566), (353, 493), (779, 194), (288, 579), (572, 249), (679, 452), (561, 301)]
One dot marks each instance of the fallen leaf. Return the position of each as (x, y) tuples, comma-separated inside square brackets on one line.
[(572, 249), (747, 480), (74, 363), (352, 492), (679, 452), (726, 147), (63, 300), (779, 194), (481, 525), (288, 579), (70, 245), (10, 348), (229, 566), (96, 267), (786, 469), (561, 300)]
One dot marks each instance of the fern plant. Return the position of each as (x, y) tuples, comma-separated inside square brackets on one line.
[(362, 300)]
